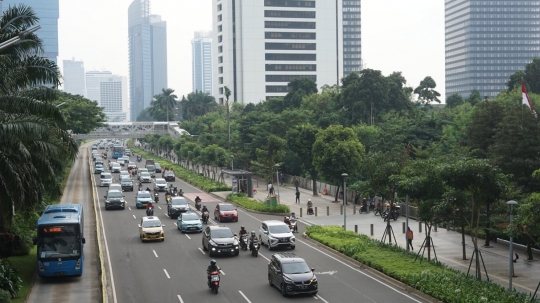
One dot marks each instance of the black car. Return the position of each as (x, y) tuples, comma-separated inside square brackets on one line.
[(177, 206), (219, 240), (290, 274), (168, 175), (158, 167)]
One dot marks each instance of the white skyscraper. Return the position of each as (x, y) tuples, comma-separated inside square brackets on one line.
[(201, 46), (74, 82), (110, 91), (260, 46)]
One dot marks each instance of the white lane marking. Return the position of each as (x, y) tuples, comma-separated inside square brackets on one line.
[(244, 296), (349, 266), (319, 297), (315, 297), (361, 272), (188, 236), (175, 224), (202, 251), (166, 273), (264, 257), (180, 299), (159, 207), (221, 271), (155, 254), (129, 208)]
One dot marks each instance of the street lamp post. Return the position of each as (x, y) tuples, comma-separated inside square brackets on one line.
[(20, 37), (277, 178), (344, 175), (232, 162), (510, 258)]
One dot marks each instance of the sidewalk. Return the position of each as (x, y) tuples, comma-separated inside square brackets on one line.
[(447, 243)]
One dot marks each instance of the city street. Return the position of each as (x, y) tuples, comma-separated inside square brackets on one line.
[(175, 270)]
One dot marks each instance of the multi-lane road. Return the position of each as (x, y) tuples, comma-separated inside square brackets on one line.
[(175, 270)]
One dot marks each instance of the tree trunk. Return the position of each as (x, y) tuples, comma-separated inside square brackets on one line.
[(428, 240), (337, 193), (529, 251), (463, 242), (314, 180), (474, 235)]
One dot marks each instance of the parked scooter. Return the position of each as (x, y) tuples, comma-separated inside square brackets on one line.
[(213, 283)]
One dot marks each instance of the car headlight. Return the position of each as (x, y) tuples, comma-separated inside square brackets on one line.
[(235, 242), (287, 280), (293, 239), (314, 279), (212, 243)]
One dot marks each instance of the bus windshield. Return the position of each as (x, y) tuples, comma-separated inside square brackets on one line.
[(58, 241), (118, 150)]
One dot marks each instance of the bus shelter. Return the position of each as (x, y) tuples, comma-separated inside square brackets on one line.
[(241, 181)]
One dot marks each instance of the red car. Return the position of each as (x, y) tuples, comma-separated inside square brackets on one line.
[(225, 212)]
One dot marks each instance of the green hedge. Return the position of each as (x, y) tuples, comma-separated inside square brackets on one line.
[(432, 278), (190, 177), (248, 203)]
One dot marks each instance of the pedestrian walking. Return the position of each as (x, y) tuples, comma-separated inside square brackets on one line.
[(410, 237), (298, 197), (296, 183), (271, 189)]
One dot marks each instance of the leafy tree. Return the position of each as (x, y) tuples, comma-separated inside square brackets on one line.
[(299, 88), (530, 75), (474, 98), (454, 100), (398, 93), (82, 115), (145, 116), (269, 156), (426, 91), (163, 105), (482, 129), (300, 140), (336, 151), (197, 104)]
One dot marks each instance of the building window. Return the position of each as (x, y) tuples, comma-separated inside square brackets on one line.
[(220, 59), (221, 101), (221, 90), (289, 14), (220, 69), (277, 89), (220, 28), (289, 24), (219, 8), (289, 78), (289, 3), (220, 49), (220, 80), (290, 57), (220, 39), (219, 18), (290, 67), (290, 46), (289, 35)]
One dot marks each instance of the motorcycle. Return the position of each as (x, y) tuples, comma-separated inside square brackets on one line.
[(140, 186), (168, 198), (391, 215), (205, 216), (213, 283), (254, 247), (198, 204), (150, 211), (156, 197), (243, 241), (310, 210), (293, 226), (139, 158)]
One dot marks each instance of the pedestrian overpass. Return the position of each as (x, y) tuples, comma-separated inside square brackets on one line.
[(133, 130)]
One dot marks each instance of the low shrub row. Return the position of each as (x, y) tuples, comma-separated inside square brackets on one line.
[(10, 283), (190, 177), (248, 203), (432, 278)]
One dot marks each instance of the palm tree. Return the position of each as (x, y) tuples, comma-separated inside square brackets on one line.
[(34, 142), (163, 102), (197, 104)]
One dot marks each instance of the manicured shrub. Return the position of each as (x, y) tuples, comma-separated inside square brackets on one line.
[(5, 297), (248, 203), (9, 281)]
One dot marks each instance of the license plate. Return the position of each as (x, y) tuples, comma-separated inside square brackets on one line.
[(192, 228), (215, 278)]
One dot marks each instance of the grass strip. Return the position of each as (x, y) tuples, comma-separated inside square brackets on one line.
[(432, 278), (248, 203), (190, 177), (26, 270)]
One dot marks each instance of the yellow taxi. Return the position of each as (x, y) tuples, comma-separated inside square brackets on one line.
[(151, 228)]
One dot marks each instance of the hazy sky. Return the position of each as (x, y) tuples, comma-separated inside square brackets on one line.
[(397, 35)]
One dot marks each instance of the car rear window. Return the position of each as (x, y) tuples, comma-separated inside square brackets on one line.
[(226, 207), (179, 201)]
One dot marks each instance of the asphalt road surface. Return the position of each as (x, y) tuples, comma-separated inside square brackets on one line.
[(175, 270), (87, 287)]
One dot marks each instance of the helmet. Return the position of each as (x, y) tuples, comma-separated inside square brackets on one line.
[(285, 217), (309, 200), (242, 227), (253, 233), (293, 214), (213, 262)]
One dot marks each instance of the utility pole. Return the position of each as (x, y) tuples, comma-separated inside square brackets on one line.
[(227, 95)]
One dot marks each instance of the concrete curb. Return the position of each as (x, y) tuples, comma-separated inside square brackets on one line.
[(398, 284), (246, 209), (104, 297)]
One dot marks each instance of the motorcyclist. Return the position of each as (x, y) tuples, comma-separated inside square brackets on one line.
[(148, 189), (197, 200), (212, 267), (252, 238), (310, 207), (149, 205), (293, 216), (203, 210), (287, 221), (242, 232)]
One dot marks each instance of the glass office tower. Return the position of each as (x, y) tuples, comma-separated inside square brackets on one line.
[(487, 41), (48, 13)]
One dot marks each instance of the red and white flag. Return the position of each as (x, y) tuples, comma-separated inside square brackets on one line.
[(525, 99)]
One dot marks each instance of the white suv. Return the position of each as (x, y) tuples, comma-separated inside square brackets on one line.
[(274, 233), (106, 179)]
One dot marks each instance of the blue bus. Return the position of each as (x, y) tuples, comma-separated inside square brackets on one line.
[(60, 241), (118, 151)]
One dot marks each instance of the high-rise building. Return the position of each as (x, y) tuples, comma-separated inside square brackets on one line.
[(147, 56), (48, 13), (260, 46), (110, 91), (486, 42), (201, 46), (74, 79)]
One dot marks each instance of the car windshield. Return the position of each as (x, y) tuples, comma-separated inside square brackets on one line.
[(151, 223), (131, 163), (226, 207), (179, 201), (279, 229), (188, 217), (145, 174), (126, 180), (161, 181), (295, 268), (222, 233), (106, 176), (144, 195), (114, 195), (99, 166), (169, 173), (150, 167), (116, 165)]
